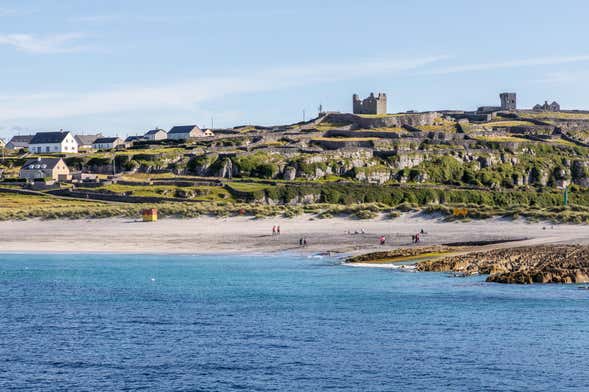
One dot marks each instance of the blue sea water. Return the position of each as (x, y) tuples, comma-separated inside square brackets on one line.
[(196, 323)]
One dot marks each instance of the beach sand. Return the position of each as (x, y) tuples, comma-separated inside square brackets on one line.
[(207, 235)]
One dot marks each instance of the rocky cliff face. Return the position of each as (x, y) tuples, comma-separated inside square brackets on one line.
[(397, 120)]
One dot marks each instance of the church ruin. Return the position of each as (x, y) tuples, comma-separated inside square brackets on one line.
[(552, 107)]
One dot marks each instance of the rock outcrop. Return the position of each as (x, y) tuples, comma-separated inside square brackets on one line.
[(525, 265)]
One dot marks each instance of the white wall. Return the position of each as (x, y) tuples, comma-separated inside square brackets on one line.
[(68, 145)]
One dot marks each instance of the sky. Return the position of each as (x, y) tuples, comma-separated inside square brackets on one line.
[(123, 67)]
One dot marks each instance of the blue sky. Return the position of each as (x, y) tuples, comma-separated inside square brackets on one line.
[(122, 67)]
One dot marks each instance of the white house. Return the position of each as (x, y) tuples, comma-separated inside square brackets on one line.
[(107, 143), (185, 132), (156, 134), (53, 142)]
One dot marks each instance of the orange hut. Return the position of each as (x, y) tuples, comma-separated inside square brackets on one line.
[(150, 215)]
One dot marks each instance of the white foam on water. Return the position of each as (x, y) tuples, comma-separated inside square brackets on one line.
[(404, 267)]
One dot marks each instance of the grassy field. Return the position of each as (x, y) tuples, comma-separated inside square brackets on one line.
[(200, 193), (505, 139), (556, 115), (509, 124), (438, 128), (345, 139)]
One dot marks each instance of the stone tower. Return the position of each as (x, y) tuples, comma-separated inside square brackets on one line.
[(370, 105), (508, 101)]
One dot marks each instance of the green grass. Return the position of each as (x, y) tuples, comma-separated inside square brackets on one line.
[(438, 128), (248, 186), (201, 193), (556, 115), (505, 139), (509, 124), (345, 139)]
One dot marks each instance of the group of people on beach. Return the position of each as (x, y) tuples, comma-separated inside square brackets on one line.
[(416, 238), (350, 232), (303, 242), (275, 231)]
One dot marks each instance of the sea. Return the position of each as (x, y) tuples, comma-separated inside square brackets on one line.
[(95, 322)]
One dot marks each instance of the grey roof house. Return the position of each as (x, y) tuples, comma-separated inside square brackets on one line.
[(41, 168), (86, 141), (131, 139), (107, 143), (155, 134), (184, 132), (19, 141)]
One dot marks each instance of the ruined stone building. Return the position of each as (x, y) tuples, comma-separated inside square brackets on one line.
[(370, 105), (508, 101), (553, 107)]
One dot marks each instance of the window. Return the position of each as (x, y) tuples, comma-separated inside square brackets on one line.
[(47, 149)]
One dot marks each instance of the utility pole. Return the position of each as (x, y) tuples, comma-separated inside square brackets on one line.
[(303, 115), (212, 123)]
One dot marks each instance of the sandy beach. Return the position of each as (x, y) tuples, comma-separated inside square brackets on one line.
[(206, 235)]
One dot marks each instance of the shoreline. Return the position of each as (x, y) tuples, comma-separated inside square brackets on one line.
[(247, 236)]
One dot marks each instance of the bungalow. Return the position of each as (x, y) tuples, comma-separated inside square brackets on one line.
[(107, 143), (41, 168), (185, 132), (155, 134), (86, 141), (18, 142), (2, 143), (53, 142), (208, 133), (132, 139)]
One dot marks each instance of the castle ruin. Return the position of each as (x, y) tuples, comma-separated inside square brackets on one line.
[(508, 101), (370, 105)]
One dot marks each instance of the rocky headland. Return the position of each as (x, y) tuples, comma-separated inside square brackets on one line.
[(521, 265)]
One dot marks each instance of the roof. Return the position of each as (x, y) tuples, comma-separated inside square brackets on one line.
[(154, 131), (21, 139), (49, 137), (133, 138), (106, 140), (43, 163), (86, 140), (184, 129)]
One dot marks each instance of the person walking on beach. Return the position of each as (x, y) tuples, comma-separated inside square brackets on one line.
[(417, 238), (273, 231), (382, 240), (278, 230), (304, 242), (301, 241)]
